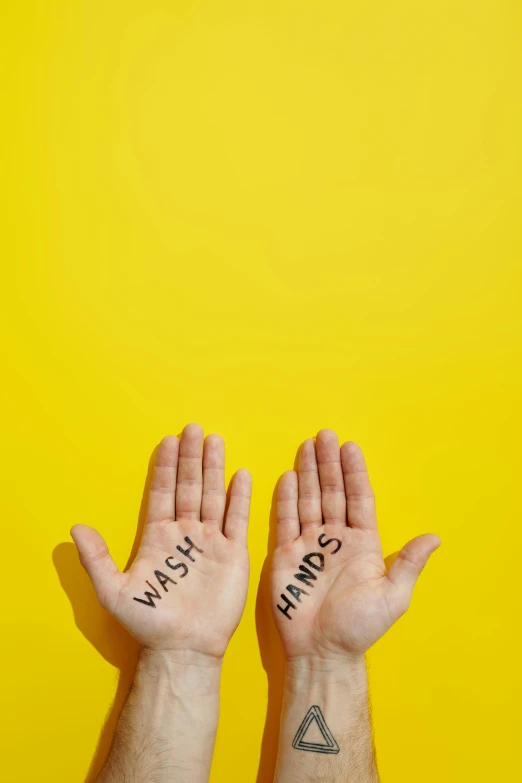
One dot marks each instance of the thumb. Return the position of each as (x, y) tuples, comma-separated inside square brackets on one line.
[(95, 558), (410, 561)]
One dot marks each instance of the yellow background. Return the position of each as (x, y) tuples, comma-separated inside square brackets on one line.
[(268, 218)]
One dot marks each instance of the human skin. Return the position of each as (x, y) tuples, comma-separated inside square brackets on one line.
[(196, 595), (326, 510)]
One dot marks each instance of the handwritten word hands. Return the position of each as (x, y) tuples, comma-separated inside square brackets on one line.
[(331, 592), (186, 589)]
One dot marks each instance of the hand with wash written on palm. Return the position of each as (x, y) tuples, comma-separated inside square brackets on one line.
[(186, 589), (331, 592)]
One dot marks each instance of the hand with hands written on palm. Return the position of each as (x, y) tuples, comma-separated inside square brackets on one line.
[(333, 598), (186, 589), (331, 591)]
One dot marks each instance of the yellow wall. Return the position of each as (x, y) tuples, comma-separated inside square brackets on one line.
[(269, 218)]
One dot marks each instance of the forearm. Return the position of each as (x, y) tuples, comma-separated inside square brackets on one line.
[(334, 744), (167, 728)]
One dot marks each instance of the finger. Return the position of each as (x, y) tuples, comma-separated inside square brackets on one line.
[(214, 494), (360, 499), (162, 493), (95, 558), (288, 528), (190, 473), (333, 499), (408, 564), (236, 518), (309, 500)]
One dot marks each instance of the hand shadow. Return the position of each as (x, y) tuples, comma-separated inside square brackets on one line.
[(109, 638), (272, 656)]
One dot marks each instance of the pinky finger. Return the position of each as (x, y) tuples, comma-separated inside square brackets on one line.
[(95, 558), (236, 517), (288, 527)]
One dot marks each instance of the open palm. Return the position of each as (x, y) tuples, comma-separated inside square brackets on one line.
[(331, 591), (186, 588)]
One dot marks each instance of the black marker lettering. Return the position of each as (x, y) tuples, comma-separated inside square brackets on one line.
[(325, 543), (305, 576), (178, 565), (150, 597), (187, 552), (296, 592), (287, 607), (314, 560), (308, 560), (163, 579)]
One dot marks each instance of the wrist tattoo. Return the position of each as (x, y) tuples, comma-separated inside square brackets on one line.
[(163, 579), (315, 561), (315, 717)]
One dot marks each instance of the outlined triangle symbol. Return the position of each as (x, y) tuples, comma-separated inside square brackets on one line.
[(299, 743)]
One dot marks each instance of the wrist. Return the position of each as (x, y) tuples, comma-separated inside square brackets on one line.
[(320, 664), (181, 658), (326, 714), (346, 672), (168, 727), (180, 670)]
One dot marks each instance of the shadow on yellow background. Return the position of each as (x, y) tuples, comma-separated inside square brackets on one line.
[(109, 638), (105, 633), (272, 659)]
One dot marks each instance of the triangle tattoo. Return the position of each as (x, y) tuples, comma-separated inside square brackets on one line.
[(300, 743)]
